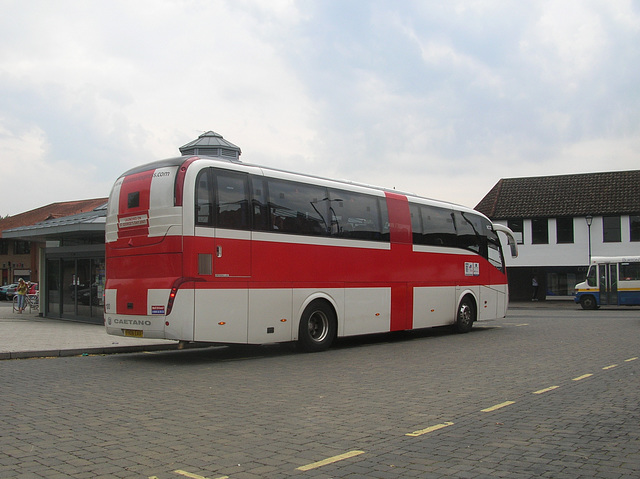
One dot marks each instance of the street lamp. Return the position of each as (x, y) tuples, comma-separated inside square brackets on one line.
[(589, 220)]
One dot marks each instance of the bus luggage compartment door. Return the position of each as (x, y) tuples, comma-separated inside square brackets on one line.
[(232, 254)]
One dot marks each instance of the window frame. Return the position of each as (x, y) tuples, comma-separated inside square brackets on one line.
[(611, 232), (634, 228), (629, 271), (372, 216), (565, 230), (428, 217), (206, 195), (539, 228), (211, 197), (301, 221), (21, 247), (243, 218)]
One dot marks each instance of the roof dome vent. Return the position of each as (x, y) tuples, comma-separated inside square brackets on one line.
[(212, 144)]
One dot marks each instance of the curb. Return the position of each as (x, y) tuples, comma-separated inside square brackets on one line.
[(59, 353)]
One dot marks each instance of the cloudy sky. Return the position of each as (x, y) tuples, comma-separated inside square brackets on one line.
[(439, 98)]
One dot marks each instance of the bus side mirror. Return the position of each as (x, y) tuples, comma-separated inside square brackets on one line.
[(511, 240), (514, 248)]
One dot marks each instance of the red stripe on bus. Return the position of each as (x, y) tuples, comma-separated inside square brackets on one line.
[(289, 263), (138, 182), (399, 217)]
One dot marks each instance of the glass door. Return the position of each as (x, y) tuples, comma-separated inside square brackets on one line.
[(67, 288), (613, 284), (83, 288), (97, 288), (53, 287), (75, 288), (608, 274)]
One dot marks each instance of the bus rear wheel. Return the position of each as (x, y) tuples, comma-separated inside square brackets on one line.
[(588, 302), (317, 327), (466, 315)]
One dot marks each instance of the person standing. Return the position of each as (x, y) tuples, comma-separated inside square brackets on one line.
[(22, 294), (534, 285)]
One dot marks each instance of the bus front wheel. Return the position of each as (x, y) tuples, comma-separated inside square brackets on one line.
[(466, 315), (588, 302), (317, 327)]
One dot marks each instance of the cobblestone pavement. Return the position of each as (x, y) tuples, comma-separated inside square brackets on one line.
[(544, 393)]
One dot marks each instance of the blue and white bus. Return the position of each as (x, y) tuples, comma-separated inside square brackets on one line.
[(613, 281)]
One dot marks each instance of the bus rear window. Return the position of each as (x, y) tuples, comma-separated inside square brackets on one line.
[(133, 200)]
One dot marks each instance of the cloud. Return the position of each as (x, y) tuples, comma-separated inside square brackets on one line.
[(442, 99)]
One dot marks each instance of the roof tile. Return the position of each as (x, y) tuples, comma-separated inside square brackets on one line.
[(609, 193)]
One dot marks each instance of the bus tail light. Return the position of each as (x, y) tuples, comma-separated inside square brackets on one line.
[(174, 291), (172, 298)]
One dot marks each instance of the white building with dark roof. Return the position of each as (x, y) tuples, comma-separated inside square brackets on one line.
[(562, 221)]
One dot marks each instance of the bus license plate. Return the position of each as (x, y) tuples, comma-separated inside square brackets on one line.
[(134, 333)]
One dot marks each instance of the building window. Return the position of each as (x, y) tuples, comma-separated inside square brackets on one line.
[(634, 227), (4, 246), (22, 247), (564, 230), (517, 226), (540, 231), (611, 229)]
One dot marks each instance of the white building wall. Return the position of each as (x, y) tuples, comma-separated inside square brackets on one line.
[(573, 254)]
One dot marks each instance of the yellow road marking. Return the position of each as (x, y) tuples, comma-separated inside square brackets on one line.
[(630, 359), (329, 460), (580, 378), (545, 390), (522, 324), (194, 476), (429, 429), (498, 406), (609, 367)]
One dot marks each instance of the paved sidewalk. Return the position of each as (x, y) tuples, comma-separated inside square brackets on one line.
[(27, 335)]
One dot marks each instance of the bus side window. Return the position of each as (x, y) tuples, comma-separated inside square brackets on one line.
[(259, 206), (592, 280), (437, 226), (468, 231), (354, 215), (232, 205), (297, 208), (629, 271), (203, 199), (384, 220), (416, 223)]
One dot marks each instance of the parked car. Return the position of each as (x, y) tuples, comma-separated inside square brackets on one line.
[(7, 291)]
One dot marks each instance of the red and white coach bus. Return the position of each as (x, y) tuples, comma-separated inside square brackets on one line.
[(203, 249)]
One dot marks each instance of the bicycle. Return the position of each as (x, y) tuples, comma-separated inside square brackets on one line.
[(31, 300)]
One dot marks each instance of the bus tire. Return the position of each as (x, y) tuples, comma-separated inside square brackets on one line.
[(588, 302), (318, 327), (465, 316)]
